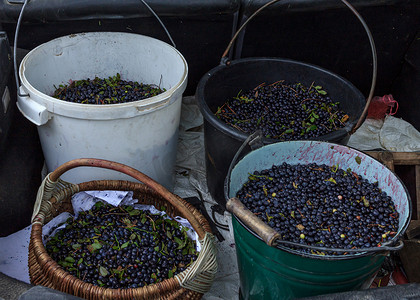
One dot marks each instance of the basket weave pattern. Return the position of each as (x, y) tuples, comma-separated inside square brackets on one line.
[(43, 270)]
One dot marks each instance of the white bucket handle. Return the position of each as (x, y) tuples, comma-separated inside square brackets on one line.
[(25, 2), (32, 110)]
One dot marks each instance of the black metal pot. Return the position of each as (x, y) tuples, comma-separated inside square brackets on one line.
[(221, 141)]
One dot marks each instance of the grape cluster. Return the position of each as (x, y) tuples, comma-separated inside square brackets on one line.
[(110, 90), (284, 112), (122, 247), (321, 205)]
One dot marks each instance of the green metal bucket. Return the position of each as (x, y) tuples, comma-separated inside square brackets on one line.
[(282, 273)]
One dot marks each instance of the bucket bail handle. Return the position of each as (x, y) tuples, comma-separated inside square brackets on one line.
[(273, 239), (254, 140), (268, 234), (225, 61)]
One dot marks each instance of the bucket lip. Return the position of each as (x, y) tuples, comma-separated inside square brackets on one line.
[(159, 100), (221, 126), (336, 257)]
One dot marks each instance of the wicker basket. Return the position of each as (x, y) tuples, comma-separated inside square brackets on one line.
[(54, 197)]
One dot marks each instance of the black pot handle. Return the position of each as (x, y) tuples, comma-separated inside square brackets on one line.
[(225, 61), (273, 239), (255, 141)]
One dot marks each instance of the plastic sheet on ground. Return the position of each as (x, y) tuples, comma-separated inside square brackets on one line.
[(190, 181), (392, 134)]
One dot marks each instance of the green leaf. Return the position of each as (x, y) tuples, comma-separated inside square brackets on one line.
[(164, 248), (365, 201), (96, 245), (265, 190), (170, 274), (181, 243), (318, 88), (133, 236), (80, 261), (289, 131), (143, 219), (103, 271), (76, 246), (100, 282), (252, 177), (138, 237), (331, 180), (358, 160), (125, 245), (69, 259), (169, 234), (65, 264), (310, 128), (156, 249), (134, 212)]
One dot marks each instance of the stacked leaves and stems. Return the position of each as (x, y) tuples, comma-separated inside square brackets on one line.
[(112, 90), (122, 247), (284, 111)]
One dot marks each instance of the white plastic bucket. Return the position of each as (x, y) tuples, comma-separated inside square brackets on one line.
[(142, 134)]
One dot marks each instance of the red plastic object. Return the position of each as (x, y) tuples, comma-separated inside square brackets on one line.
[(381, 106), (398, 276)]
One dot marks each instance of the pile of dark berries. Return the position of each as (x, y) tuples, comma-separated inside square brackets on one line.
[(284, 112), (321, 205), (110, 90), (122, 247)]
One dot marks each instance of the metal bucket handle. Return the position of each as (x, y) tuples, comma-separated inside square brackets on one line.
[(225, 61), (268, 234), (25, 2)]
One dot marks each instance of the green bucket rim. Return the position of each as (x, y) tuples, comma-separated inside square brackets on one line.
[(350, 256)]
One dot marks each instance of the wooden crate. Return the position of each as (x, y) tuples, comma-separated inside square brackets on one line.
[(392, 159)]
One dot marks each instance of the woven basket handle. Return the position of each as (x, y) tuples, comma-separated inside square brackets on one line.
[(161, 190)]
